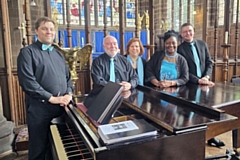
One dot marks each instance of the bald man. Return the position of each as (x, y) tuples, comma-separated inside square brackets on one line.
[(124, 72)]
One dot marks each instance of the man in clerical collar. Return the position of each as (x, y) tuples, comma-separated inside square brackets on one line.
[(46, 81)]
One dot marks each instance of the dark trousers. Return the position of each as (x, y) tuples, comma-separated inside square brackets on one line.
[(39, 117)]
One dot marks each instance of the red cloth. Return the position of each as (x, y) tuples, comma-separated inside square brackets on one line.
[(84, 110), (81, 107)]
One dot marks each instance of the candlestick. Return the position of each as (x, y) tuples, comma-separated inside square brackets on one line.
[(82, 41), (148, 37), (226, 37), (24, 30)]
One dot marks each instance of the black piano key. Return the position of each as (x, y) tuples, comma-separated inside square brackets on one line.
[(68, 136), (75, 149), (83, 155), (72, 149), (73, 139), (79, 158), (79, 144), (73, 144)]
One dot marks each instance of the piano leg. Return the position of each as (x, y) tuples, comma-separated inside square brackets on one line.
[(236, 138)]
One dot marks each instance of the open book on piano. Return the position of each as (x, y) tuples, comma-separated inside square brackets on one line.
[(126, 131), (103, 101)]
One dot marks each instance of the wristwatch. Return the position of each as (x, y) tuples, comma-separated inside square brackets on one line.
[(70, 93), (207, 76)]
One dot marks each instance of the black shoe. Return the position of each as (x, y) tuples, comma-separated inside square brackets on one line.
[(215, 142)]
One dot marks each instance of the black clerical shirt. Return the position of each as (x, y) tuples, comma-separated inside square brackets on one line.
[(124, 71), (43, 73)]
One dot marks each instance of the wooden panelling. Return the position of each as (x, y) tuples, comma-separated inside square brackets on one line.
[(18, 114), (83, 82), (233, 54), (217, 75)]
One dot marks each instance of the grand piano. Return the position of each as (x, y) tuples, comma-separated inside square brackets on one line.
[(185, 117), (224, 97)]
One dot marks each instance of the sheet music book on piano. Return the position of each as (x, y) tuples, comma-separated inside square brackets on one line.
[(102, 105), (126, 131)]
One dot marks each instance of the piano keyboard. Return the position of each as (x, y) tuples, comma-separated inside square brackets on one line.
[(69, 144)]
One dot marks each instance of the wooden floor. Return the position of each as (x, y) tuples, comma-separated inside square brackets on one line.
[(213, 151), (210, 151)]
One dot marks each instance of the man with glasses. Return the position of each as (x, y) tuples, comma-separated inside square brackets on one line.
[(197, 55), (199, 62)]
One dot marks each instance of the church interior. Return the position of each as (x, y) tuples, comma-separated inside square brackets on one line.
[(84, 24)]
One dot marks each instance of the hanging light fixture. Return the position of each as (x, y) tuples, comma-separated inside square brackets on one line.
[(32, 3)]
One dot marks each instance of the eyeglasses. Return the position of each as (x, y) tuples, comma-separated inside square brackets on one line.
[(188, 31)]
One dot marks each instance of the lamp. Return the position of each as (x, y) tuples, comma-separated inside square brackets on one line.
[(32, 3)]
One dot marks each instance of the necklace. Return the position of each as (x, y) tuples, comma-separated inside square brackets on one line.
[(134, 61), (170, 57)]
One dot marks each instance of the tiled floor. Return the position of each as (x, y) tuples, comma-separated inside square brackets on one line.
[(210, 151)]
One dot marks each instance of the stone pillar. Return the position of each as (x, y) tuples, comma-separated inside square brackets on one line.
[(6, 132)]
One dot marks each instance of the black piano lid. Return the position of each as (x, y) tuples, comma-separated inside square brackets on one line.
[(170, 114), (221, 94)]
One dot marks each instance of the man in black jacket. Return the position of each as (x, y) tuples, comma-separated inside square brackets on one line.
[(205, 61), (199, 62)]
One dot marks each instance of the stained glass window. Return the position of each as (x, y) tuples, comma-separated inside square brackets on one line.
[(221, 5), (130, 13), (184, 11), (100, 12), (57, 10), (108, 12), (77, 15), (235, 11), (192, 12), (74, 12), (177, 14), (115, 13), (167, 23), (92, 13)]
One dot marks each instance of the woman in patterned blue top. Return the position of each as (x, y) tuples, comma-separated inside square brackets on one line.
[(167, 68)]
